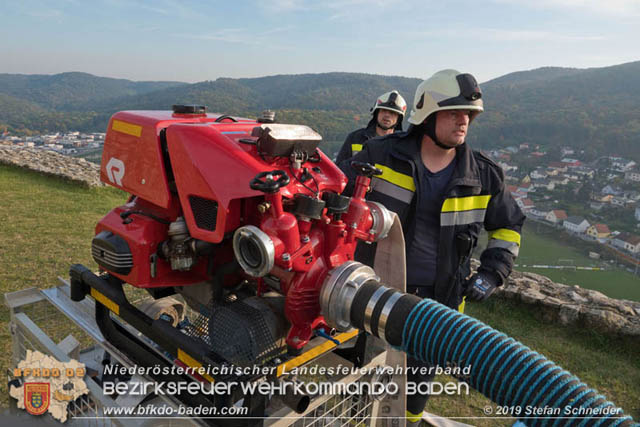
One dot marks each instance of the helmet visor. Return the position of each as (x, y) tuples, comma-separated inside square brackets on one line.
[(470, 93)]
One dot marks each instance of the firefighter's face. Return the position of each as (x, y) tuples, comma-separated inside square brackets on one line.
[(452, 126), (387, 119)]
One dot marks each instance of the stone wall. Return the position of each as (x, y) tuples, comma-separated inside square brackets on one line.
[(51, 163), (573, 305)]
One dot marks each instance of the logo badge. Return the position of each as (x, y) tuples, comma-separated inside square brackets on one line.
[(115, 170), (36, 398)]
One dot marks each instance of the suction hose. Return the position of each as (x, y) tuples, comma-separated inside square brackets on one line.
[(503, 369)]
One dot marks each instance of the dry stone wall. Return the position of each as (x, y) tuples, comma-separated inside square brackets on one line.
[(51, 163), (573, 305)]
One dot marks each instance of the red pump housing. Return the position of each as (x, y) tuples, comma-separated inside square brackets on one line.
[(204, 183)]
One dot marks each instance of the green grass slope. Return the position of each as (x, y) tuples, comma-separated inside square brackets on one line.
[(47, 225)]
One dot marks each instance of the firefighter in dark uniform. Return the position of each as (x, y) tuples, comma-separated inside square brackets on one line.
[(387, 112), (444, 193)]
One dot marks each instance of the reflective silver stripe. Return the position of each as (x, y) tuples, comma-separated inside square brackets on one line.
[(391, 190), (462, 217), (504, 244), (368, 311), (384, 314)]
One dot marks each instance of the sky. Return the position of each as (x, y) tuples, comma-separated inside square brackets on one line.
[(191, 41)]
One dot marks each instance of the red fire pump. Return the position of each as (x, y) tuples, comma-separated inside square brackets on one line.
[(218, 201)]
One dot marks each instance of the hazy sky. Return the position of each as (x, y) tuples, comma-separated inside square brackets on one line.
[(203, 40)]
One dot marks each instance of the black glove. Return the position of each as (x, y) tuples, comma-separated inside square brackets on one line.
[(480, 286)]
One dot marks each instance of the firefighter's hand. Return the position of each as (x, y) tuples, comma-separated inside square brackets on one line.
[(480, 286)]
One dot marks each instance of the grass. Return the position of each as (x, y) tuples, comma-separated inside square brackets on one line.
[(47, 225), (609, 364), (543, 245), (546, 249)]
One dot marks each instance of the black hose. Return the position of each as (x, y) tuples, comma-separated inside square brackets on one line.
[(501, 368)]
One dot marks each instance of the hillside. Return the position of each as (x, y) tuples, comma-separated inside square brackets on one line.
[(73, 91), (594, 109)]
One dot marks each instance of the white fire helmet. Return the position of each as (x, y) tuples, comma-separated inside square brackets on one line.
[(446, 90), (391, 101)]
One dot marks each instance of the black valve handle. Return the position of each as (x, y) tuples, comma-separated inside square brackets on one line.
[(267, 182), (366, 169)]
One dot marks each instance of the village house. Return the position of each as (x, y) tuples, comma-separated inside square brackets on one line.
[(559, 180), (598, 231), (556, 216), (571, 163), (524, 188), (539, 213), (584, 171), (621, 202), (576, 224), (633, 176), (571, 176), (627, 241), (621, 165), (525, 204), (632, 195), (538, 174), (544, 183), (558, 166), (610, 189), (507, 167), (601, 198)]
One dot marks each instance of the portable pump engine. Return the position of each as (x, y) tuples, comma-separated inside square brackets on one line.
[(246, 221), (218, 201)]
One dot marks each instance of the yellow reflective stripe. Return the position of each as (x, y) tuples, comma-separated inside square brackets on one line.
[(315, 352), (506, 235), (397, 178), (356, 147), (461, 306), (128, 128), (107, 302), (456, 204), (412, 418), (192, 363)]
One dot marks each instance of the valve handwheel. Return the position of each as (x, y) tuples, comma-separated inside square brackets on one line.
[(270, 181), (366, 169)]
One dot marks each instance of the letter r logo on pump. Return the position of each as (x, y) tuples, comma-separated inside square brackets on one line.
[(115, 170)]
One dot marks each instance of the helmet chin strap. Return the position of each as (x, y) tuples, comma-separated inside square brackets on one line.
[(383, 127), (429, 129)]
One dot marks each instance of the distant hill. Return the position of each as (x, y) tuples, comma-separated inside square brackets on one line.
[(596, 109), (332, 103), (73, 90), (328, 92)]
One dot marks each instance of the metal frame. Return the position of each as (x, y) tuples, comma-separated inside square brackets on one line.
[(28, 333)]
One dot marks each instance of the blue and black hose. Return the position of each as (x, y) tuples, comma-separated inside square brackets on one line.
[(501, 368)]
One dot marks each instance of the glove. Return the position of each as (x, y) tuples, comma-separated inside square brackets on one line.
[(480, 286)]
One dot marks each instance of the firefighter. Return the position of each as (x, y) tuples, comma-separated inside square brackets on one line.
[(387, 114), (444, 193)]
